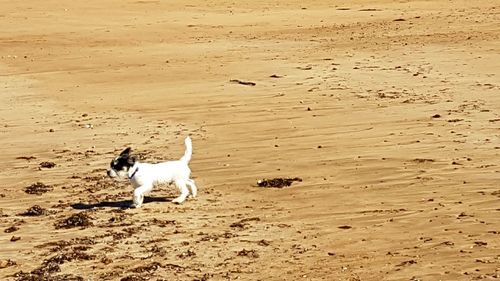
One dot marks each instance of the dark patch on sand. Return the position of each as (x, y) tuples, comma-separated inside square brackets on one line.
[(277, 182), (47, 164), (77, 220), (38, 188), (34, 211)]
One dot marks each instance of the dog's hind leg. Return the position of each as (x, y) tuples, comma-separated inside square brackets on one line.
[(192, 186), (184, 191)]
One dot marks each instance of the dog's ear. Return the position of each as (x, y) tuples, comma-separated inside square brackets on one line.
[(131, 160), (126, 151)]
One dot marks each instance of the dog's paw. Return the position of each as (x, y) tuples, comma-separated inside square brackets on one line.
[(135, 206), (178, 200)]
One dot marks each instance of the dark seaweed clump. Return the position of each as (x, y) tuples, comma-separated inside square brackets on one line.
[(277, 182), (47, 164), (46, 273), (34, 211), (38, 188), (248, 253), (77, 220)]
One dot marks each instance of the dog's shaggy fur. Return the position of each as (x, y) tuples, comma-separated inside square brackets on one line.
[(144, 176)]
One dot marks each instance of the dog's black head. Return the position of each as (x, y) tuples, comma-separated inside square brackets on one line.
[(121, 164)]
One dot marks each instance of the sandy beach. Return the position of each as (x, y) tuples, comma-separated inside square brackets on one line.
[(388, 111)]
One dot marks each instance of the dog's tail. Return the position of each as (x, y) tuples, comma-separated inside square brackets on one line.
[(189, 150)]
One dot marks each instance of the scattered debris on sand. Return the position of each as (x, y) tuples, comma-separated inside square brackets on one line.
[(370, 10), (7, 263), (345, 227), (61, 258), (246, 83), (205, 277), (277, 182), (149, 269), (38, 188), (77, 220), (248, 253), (11, 229), (187, 254), (405, 263), (244, 223), (34, 211), (423, 160), (47, 164), (264, 243), (46, 273), (133, 278), (15, 238), (48, 268), (27, 158)]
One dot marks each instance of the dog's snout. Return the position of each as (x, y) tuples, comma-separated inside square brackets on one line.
[(111, 174)]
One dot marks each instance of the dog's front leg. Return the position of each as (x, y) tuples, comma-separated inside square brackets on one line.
[(139, 196)]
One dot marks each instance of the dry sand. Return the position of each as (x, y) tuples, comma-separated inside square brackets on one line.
[(389, 112)]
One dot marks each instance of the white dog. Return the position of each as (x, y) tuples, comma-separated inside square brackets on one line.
[(145, 176)]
